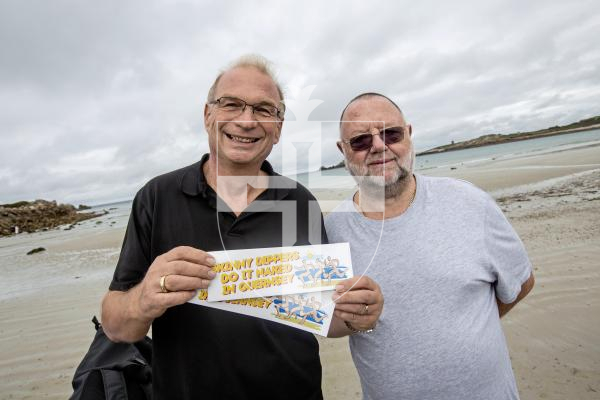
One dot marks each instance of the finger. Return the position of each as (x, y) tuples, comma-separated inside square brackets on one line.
[(190, 254), (355, 297), (356, 320), (191, 269), (356, 283), (175, 283), (358, 309), (176, 298)]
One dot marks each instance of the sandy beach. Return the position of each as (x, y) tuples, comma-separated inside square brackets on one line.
[(552, 200)]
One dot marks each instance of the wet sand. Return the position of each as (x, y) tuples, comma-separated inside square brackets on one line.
[(553, 201)]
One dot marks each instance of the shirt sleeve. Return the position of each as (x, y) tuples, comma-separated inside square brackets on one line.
[(134, 259), (506, 254)]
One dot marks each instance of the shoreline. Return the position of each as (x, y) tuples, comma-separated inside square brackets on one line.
[(552, 200), (504, 138)]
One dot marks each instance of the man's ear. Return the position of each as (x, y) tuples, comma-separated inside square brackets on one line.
[(207, 113), (409, 126), (279, 128), (339, 146)]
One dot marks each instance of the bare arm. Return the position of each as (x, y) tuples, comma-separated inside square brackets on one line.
[(359, 302), (127, 316), (525, 289), (121, 318)]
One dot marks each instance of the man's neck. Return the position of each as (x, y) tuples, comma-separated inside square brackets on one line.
[(237, 186), (379, 208)]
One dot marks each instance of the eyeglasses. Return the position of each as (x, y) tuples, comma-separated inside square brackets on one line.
[(365, 141), (235, 106)]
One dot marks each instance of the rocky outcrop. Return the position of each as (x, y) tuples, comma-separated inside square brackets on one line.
[(38, 215)]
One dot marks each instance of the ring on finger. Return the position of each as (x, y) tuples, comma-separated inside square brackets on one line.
[(163, 284)]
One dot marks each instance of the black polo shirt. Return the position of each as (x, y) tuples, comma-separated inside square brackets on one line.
[(200, 352)]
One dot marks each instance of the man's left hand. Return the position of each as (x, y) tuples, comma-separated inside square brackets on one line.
[(359, 302)]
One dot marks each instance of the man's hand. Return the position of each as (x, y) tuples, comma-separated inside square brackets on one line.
[(359, 302), (185, 270), (127, 316)]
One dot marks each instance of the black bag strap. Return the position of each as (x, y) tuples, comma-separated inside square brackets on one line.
[(96, 323), (114, 384)]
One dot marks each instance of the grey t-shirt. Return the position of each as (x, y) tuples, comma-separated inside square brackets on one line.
[(440, 266)]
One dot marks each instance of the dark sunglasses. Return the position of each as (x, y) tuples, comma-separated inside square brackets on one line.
[(365, 140)]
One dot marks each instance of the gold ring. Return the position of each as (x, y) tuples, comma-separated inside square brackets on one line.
[(366, 309), (163, 286)]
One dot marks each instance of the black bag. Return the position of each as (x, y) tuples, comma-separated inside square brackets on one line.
[(115, 371)]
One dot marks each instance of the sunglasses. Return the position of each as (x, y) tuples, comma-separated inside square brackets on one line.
[(365, 141)]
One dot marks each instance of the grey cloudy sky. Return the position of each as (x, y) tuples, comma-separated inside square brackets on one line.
[(98, 97)]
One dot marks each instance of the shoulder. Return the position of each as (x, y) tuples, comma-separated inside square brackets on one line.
[(169, 183), (452, 190), (341, 212), (175, 177)]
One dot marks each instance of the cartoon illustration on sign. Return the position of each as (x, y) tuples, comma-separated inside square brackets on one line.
[(300, 309), (310, 312), (320, 271)]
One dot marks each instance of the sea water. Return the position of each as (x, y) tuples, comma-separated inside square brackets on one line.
[(339, 178)]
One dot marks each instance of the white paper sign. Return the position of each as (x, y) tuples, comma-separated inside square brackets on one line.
[(311, 312), (276, 271)]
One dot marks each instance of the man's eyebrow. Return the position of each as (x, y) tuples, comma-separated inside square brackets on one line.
[(263, 101)]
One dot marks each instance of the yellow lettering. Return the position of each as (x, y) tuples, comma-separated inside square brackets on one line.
[(228, 289)]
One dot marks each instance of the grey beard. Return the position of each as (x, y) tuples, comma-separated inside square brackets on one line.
[(373, 186), (391, 189)]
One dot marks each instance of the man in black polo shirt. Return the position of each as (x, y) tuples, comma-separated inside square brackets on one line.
[(231, 199)]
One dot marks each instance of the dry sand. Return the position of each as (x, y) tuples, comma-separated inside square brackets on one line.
[(553, 334)]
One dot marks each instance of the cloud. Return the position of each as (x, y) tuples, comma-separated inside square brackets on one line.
[(96, 99)]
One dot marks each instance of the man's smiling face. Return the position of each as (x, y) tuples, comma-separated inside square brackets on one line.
[(381, 165), (243, 139)]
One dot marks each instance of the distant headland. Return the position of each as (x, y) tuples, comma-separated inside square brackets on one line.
[(487, 140)]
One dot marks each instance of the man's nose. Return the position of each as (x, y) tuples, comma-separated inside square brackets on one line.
[(247, 119), (378, 143)]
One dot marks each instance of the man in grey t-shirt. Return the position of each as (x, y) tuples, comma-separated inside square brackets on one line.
[(448, 262)]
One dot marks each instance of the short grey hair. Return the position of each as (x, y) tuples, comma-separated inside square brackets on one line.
[(248, 61)]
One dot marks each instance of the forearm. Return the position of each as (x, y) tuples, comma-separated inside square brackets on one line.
[(503, 309), (122, 319)]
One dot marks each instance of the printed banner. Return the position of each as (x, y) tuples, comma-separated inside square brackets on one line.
[(276, 271), (310, 312)]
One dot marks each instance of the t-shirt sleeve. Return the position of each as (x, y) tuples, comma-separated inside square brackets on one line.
[(134, 259), (506, 254)]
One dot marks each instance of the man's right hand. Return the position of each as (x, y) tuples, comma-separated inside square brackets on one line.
[(127, 316), (185, 269)]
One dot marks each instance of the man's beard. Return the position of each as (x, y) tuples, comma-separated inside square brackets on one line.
[(376, 185)]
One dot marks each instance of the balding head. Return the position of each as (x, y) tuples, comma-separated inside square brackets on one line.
[(248, 61), (366, 96)]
